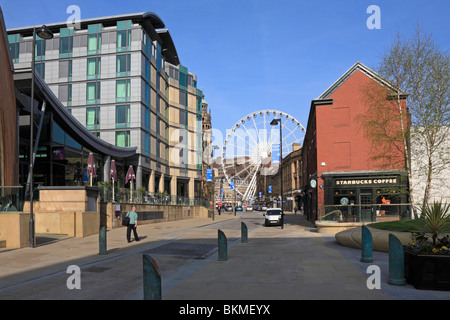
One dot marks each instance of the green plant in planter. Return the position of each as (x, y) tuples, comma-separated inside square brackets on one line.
[(435, 220)]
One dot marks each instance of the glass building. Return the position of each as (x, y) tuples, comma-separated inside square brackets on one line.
[(121, 78)]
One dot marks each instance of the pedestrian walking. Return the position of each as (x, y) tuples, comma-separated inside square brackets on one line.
[(132, 225)]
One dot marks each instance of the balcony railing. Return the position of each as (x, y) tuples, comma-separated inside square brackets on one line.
[(123, 195), (364, 212)]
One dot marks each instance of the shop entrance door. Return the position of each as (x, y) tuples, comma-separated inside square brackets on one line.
[(365, 211)]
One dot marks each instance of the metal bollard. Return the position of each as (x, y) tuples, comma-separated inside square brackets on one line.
[(102, 241), (244, 233), (396, 261), (366, 245), (223, 246), (152, 279)]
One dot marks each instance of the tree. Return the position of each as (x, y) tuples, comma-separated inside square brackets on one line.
[(416, 66)]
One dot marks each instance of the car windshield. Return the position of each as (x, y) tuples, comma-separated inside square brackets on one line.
[(273, 212)]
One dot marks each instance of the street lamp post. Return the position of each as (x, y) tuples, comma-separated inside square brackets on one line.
[(274, 122), (44, 33)]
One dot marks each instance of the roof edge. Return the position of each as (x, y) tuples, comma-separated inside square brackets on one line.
[(367, 71)]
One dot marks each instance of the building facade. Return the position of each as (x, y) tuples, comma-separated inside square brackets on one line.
[(338, 164), (8, 116), (121, 77)]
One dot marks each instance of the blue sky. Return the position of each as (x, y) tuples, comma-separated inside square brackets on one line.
[(254, 55)]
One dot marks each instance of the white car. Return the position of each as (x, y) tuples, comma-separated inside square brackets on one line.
[(249, 208), (273, 216)]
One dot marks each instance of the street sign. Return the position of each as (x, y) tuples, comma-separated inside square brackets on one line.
[(209, 175), (270, 189), (232, 185)]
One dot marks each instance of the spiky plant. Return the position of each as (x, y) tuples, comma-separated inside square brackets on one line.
[(436, 219)]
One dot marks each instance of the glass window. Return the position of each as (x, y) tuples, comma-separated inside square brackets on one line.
[(147, 119), (93, 92), (183, 79), (123, 63), (123, 35), (183, 117), (40, 48), (147, 71), (123, 90), (40, 69), (65, 93), (65, 69), (14, 46), (92, 118), (65, 43), (123, 116), (147, 144), (183, 98), (123, 138), (94, 38), (93, 68), (147, 92)]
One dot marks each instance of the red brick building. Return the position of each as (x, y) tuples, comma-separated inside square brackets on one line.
[(338, 157)]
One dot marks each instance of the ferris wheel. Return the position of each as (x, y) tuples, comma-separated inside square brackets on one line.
[(249, 144)]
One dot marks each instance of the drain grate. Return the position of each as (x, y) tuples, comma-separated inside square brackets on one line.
[(96, 269), (185, 250)]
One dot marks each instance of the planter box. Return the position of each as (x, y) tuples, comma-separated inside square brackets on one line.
[(427, 271)]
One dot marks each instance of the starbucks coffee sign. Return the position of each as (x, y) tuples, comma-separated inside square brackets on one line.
[(365, 181)]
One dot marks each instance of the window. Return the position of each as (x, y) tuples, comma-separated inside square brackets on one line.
[(65, 69), (147, 70), (183, 117), (123, 116), (40, 48), (147, 144), (123, 90), (93, 92), (93, 68), (93, 118), (183, 98), (147, 92), (66, 42), (183, 79), (123, 138), (147, 119), (14, 46), (40, 69), (94, 39), (123, 63), (123, 35), (65, 93)]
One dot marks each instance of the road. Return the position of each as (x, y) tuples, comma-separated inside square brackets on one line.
[(179, 249)]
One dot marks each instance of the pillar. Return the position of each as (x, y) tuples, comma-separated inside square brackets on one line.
[(173, 189), (106, 168), (138, 176), (161, 183), (151, 182)]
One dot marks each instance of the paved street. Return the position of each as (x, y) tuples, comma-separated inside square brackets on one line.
[(293, 263)]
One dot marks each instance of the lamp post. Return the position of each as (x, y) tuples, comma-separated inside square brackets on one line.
[(44, 33), (274, 122)]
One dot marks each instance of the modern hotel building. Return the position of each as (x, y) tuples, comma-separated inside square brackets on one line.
[(121, 77)]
